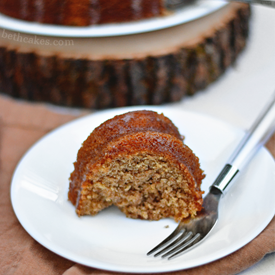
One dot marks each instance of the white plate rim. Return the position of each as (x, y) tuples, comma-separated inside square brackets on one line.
[(35, 235), (181, 16)]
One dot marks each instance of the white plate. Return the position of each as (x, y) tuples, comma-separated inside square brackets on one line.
[(111, 241), (189, 13)]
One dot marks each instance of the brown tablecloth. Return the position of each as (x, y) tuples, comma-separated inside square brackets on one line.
[(21, 124)]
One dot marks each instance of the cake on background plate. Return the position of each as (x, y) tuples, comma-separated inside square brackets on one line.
[(138, 162), (82, 12)]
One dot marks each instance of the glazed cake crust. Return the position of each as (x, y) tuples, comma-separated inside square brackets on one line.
[(132, 122), (136, 141), (81, 12)]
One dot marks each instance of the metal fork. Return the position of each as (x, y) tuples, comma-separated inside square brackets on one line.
[(176, 4), (192, 231)]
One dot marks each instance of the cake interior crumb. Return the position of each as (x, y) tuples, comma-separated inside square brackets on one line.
[(143, 186)]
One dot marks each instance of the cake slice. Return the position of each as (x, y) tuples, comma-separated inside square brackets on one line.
[(138, 162)]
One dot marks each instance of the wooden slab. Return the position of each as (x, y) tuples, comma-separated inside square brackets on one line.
[(149, 68)]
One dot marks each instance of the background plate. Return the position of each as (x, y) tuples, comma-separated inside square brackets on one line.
[(111, 241), (189, 13)]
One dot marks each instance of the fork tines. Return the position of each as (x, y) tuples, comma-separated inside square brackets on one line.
[(175, 244)]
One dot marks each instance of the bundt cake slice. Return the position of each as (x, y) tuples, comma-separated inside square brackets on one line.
[(138, 162)]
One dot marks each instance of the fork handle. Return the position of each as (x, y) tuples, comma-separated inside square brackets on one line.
[(174, 4), (257, 135), (269, 3)]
